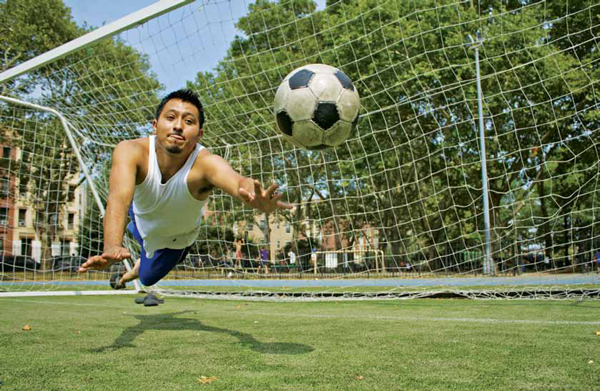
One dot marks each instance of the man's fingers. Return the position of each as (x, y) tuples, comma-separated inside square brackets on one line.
[(245, 194), (115, 256), (271, 190), (283, 205), (280, 204), (91, 264)]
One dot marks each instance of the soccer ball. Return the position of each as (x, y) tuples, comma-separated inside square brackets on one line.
[(316, 107)]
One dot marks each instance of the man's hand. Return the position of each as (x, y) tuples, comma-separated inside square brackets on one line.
[(106, 260), (264, 200)]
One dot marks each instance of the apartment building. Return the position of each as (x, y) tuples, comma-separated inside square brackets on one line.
[(19, 232)]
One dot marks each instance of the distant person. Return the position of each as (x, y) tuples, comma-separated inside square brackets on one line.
[(226, 262), (598, 262), (264, 259), (214, 258), (292, 257), (238, 253)]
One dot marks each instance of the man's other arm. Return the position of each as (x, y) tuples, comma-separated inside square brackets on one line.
[(120, 195)]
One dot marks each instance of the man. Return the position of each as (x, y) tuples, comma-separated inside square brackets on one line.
[(313, 258), (292, 257), (169, 177), (238, 253), (264, 259)]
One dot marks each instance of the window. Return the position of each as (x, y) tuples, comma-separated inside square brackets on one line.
[(26, 246), (278, 244), (22, 217), (71, 195), (71, 222), (65, 248), (3, 187), (6, 152), (4, 216), (288, 228), (263, 223), (23, 188)]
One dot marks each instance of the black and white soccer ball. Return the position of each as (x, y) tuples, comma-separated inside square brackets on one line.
[(316, 107)]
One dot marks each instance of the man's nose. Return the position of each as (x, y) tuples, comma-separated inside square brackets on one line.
[(178, 124)]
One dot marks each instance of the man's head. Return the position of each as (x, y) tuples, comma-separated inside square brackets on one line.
[(178, 122), (186, 96)]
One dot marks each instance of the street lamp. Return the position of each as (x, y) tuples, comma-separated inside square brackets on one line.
[(488, 264)]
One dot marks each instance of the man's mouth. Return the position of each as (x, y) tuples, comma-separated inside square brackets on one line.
[(177, 137)]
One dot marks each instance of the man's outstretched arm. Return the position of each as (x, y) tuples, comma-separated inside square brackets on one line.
[(220, 174), (120, 195)]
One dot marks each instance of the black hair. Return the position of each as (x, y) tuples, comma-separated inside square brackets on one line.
[(186, 96)]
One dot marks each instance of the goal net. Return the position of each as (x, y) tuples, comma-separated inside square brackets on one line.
[(398, 210)]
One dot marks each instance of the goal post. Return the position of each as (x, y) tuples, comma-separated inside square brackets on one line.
[(82, 167)]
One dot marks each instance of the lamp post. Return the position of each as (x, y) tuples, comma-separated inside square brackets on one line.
[(488, 264)]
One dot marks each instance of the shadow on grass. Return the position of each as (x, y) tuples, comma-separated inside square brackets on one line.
[(169, 322)]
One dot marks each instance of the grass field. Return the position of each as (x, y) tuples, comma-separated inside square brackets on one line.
[(110, 343)]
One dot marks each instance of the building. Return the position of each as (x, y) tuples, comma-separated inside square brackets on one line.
[(280, 233), (19, 233)]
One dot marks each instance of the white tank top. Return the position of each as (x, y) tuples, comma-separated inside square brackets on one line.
[(166, 215)]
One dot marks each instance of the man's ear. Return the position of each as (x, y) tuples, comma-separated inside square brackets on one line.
[(200, 133), (154, 123)]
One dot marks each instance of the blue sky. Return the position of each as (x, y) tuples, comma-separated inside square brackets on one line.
[(181, 56), (98, 13)]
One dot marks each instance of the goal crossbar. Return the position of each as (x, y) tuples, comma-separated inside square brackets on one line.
[(125, 23)]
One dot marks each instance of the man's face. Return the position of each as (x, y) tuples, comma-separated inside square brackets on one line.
[(178, 128)]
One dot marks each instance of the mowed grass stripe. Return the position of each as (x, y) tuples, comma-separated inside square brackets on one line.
[(362, 317)]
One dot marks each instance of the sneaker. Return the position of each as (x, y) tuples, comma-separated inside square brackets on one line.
[(149, 301), (114, 281)]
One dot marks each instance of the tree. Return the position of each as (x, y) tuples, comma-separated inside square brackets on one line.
[(414, 169), (25, 34)]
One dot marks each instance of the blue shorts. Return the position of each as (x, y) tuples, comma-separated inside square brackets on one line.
[(161, 263)]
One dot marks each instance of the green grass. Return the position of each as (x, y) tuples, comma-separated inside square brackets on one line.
[(110, 343)]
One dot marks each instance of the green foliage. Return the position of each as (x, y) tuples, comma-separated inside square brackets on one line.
[(29, 28), (413, 170)]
